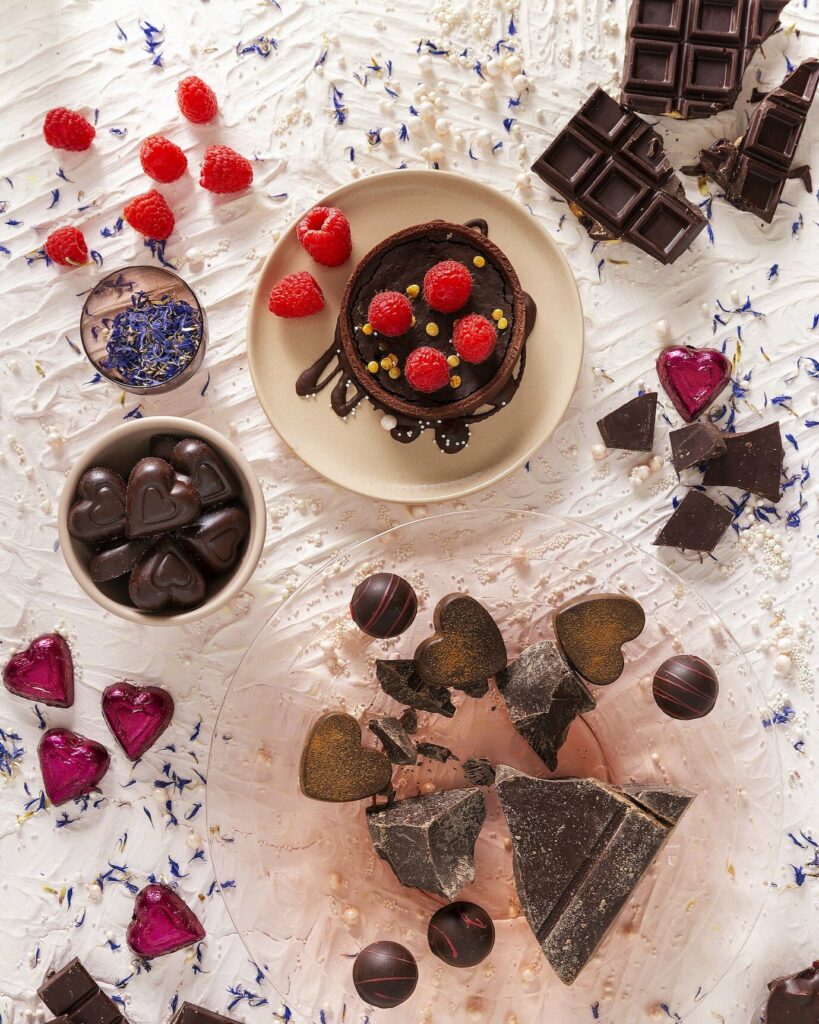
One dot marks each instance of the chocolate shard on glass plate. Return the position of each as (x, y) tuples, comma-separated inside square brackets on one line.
[(543, 697), (753, 171), (478, 771), (631, 426), (188, 1013), (395, 740), (579, 848), (697, 524), (429, 841), (399, 680), (611, 168), (752, 461), (435, 752), (697, 442), (686, 58)]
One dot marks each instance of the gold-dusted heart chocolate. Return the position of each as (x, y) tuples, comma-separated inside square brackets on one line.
[(591, 631), (466, 648), (334, 765)]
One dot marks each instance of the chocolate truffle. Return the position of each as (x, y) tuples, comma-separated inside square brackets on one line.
[(685, 687), (461, 934), (385, 974), (383, 605), (794, 999)]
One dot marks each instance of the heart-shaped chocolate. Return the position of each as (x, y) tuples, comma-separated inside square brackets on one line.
[(44, 672), (161, 445), (216, 538), (336, 768), (136, 715), (206, 471), (166, 578), (98, 514), (157, 501), (114, 562), (72, 765), (161, 923), (692, 377), (466, 648), (591, 631)]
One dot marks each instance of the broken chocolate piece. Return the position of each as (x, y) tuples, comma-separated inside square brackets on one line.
[(695, 443), (697, 524), (753, 171), (429, 841), (686, 58), (435, 752), (478, 771), (399, 680), (409, 720), (592, 630), (466, 648), (334, 765), (794, 999), (752, 461), (188, 1013), (631, 427), (395, 740), (597, 842), (544, 697), (71, 991), (610, 166), (119, 560)]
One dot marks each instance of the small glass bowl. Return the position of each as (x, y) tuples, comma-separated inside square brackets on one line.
[(112, 295)]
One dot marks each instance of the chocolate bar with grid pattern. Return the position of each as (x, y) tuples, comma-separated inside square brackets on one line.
[(73, 993)]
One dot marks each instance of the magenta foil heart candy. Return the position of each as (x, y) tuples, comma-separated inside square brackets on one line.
[(72, 765), (692, 377), (162, 923), (44, 672), (136, 715)]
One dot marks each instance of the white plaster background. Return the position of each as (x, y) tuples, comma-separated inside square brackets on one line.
[(279, 109)]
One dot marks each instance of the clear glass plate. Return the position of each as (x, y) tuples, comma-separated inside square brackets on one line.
[(310, 891)]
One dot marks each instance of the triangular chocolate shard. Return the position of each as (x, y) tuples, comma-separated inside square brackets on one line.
[(697, 524), (543, 697), (631, 426), (395, 740), (580, 847), (399, 680), (665, 802), (429, 841), (753, 462)]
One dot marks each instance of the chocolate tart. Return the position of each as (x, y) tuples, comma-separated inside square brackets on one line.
[(395, 264)]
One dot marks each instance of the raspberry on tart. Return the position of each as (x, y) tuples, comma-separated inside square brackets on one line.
[(474, 338), (426, 369), (390, 313), (447, 286)]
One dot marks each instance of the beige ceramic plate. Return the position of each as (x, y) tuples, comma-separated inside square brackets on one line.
[(359, 454)]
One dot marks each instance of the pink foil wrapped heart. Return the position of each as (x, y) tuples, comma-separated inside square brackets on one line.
[(692, 377), (72, 765), (136, 715), (161, 923), (44, 672)]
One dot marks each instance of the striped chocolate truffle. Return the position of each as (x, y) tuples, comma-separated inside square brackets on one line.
[(685, 687), (383, 605), (385, 974)]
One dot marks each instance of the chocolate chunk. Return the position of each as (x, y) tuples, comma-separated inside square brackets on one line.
[(409, 720), (216, 538), (98, 514), (794, 999), (753, 171), (384, 605), (97, 1009), (666, 803), (686, 58), (695, 443), (157, 501), (114, 562), (478, 771), (697, 524), (752, 461), (334, 765), (429, 841), (399, 680), (395, 740), (610, 166), (597, 841), (166, 578), (72, 992), (206, 471), (591, 632), (188, 1013), (631, 426), (435, 752), (466, 648), (543, 697)]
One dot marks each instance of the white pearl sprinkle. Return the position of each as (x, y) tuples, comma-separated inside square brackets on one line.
[(599, 451), (388, 422), (350, 915), (663, 330)]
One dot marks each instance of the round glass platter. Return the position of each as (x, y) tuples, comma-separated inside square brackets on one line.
[(310, 890)]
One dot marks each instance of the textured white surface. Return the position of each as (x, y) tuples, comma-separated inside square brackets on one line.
[(280, 110)]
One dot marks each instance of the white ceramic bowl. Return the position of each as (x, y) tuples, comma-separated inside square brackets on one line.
[(120, 449)]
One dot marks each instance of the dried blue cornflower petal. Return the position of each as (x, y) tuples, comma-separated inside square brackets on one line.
[(262, 45), (55, 198)]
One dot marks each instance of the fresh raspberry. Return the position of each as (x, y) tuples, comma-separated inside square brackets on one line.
[(426, 369), (474, 338), (150, 215), (66, 129), (162, 159), (67, 247), (196, 100), (224, 170), (324, 233), (447, 286), (390, 313), (296, 295)]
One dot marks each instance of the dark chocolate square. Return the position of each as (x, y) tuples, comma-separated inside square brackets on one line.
[(604, 117), (189, 1013), (758, 186), (614, 195), (567, 161), (774, 134), (652, 65), (98, 1009), (799, 87), (710, 70), (716, 21), (66, 988), (644, 150), (657, 17), (666, 228), (762, 19)]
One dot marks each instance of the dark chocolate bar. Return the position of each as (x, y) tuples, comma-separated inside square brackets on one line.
[(752, 461), (610, 165), (686, 58), (753, 171), (188, 1013), (73, 993)]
